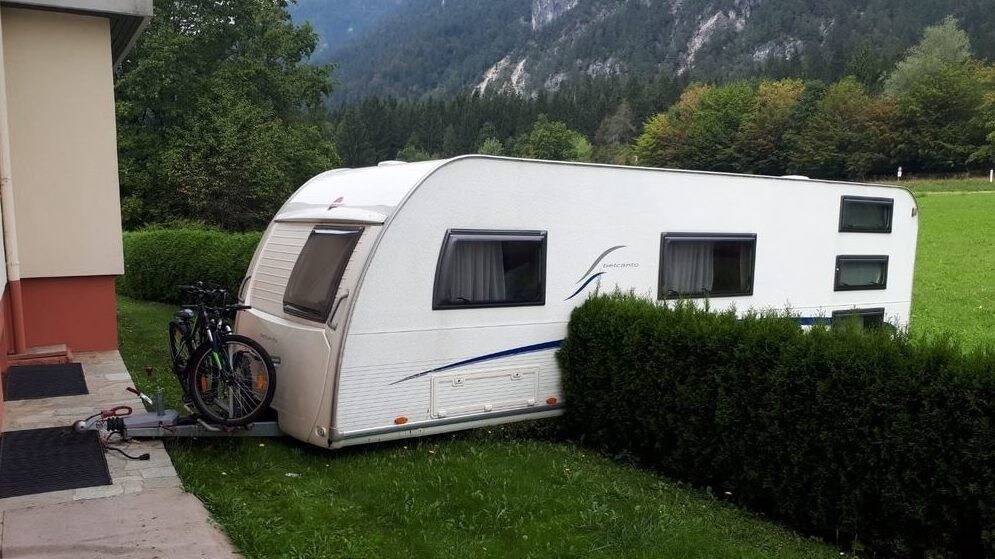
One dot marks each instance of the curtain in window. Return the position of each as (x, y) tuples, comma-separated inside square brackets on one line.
[(745, 266), (861, 273), (691, 267), (476, 272)]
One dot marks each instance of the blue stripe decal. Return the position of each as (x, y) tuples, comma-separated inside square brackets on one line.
[(586, 283), (812, 320), (506, 353)]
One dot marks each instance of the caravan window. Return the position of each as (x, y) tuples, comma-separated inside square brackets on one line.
[(867, 318), (491, 269), (318, 271), (866, 215), (706, 265), (861, 272)]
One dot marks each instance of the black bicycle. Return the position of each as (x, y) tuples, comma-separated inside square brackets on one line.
[(229, 378)]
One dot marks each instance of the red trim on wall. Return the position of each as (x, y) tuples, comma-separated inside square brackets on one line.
[(80, 312), (15, 311), (6, 344)]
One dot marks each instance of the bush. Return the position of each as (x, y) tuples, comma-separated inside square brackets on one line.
[(157, 260), (868, 439)]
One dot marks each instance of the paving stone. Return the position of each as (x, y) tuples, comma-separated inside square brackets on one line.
[(37, 499), (139, 465), (162, 482), (163, 471), (97, 492), (133, 487)]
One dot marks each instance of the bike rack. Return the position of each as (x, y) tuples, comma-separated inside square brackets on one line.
[(163, 423)]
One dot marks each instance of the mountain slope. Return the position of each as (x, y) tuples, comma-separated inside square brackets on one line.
[(339, 21), (438, 47)]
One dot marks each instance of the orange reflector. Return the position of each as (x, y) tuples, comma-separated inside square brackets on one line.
[(401, 420), (551, 400), (203, 384), (260, 381)]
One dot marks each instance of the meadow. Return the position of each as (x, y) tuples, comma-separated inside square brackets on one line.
[(954, 291), (510, 491)]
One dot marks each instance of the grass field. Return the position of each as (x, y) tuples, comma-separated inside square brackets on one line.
[(955, 268), (490, 493), (920, 186), (480, 494)]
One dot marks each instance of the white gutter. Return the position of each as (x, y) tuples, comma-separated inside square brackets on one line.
[(9, 222)]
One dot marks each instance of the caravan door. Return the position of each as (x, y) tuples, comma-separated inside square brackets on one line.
[(301, 289)]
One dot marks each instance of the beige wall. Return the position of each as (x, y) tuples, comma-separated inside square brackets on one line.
[(63, 143)]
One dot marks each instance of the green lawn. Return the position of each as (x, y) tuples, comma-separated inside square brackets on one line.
[(487, 493), (955, 268), (975, 184)]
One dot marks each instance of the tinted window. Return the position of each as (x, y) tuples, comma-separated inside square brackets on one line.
[(491, 269), (866, 215), (866, 318), (706, 265), (861, 272), (318, 271)]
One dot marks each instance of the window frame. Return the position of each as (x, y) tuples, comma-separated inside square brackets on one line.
[(889, 202), (712, 237), (862, 314), (309, 314), (445, 254), (841, 259)]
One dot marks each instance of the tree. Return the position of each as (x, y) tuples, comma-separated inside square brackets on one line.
[(711, 136), (617, 128), (939, 89), (847, 135), (866, 65), (219, 114), (662, 140), (491, 146), (941, 46), (551, 140), (762, 145), (984, 156), (411, 153)]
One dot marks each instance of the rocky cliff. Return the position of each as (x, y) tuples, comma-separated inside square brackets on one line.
[(545, 12), (431, 47)]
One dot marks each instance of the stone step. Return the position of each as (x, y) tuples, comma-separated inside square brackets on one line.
[(42, 355)]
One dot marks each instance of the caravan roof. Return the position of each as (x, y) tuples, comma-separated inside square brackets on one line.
[(372, 194), (368, 195)]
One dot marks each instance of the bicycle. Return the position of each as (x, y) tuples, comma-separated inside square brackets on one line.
[(229, 378)]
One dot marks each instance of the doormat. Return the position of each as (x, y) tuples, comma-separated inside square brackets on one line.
[(29, 382), (42, 460)]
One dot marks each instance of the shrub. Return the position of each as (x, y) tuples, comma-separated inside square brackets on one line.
[(868, 439), (157, 260)]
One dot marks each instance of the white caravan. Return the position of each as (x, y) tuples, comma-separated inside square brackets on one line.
[(410, 299)]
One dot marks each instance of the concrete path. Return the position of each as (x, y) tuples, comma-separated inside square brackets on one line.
[(143, 513), (161, 523)]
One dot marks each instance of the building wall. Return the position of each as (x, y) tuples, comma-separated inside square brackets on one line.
[(60, 94), (63, 145), (80, 312)]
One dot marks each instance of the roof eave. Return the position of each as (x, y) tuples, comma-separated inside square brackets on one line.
[(128, 18)]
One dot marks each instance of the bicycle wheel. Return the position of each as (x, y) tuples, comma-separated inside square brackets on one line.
[(180, 347), (233, 385)]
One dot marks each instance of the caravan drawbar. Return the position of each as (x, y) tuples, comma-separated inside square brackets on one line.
[(418, 298)]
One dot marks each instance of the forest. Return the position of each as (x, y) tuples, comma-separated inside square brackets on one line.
[(933, 113), (222, 115)]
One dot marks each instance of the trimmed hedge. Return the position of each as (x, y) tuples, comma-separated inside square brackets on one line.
[(157, 260), (871, 440)]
